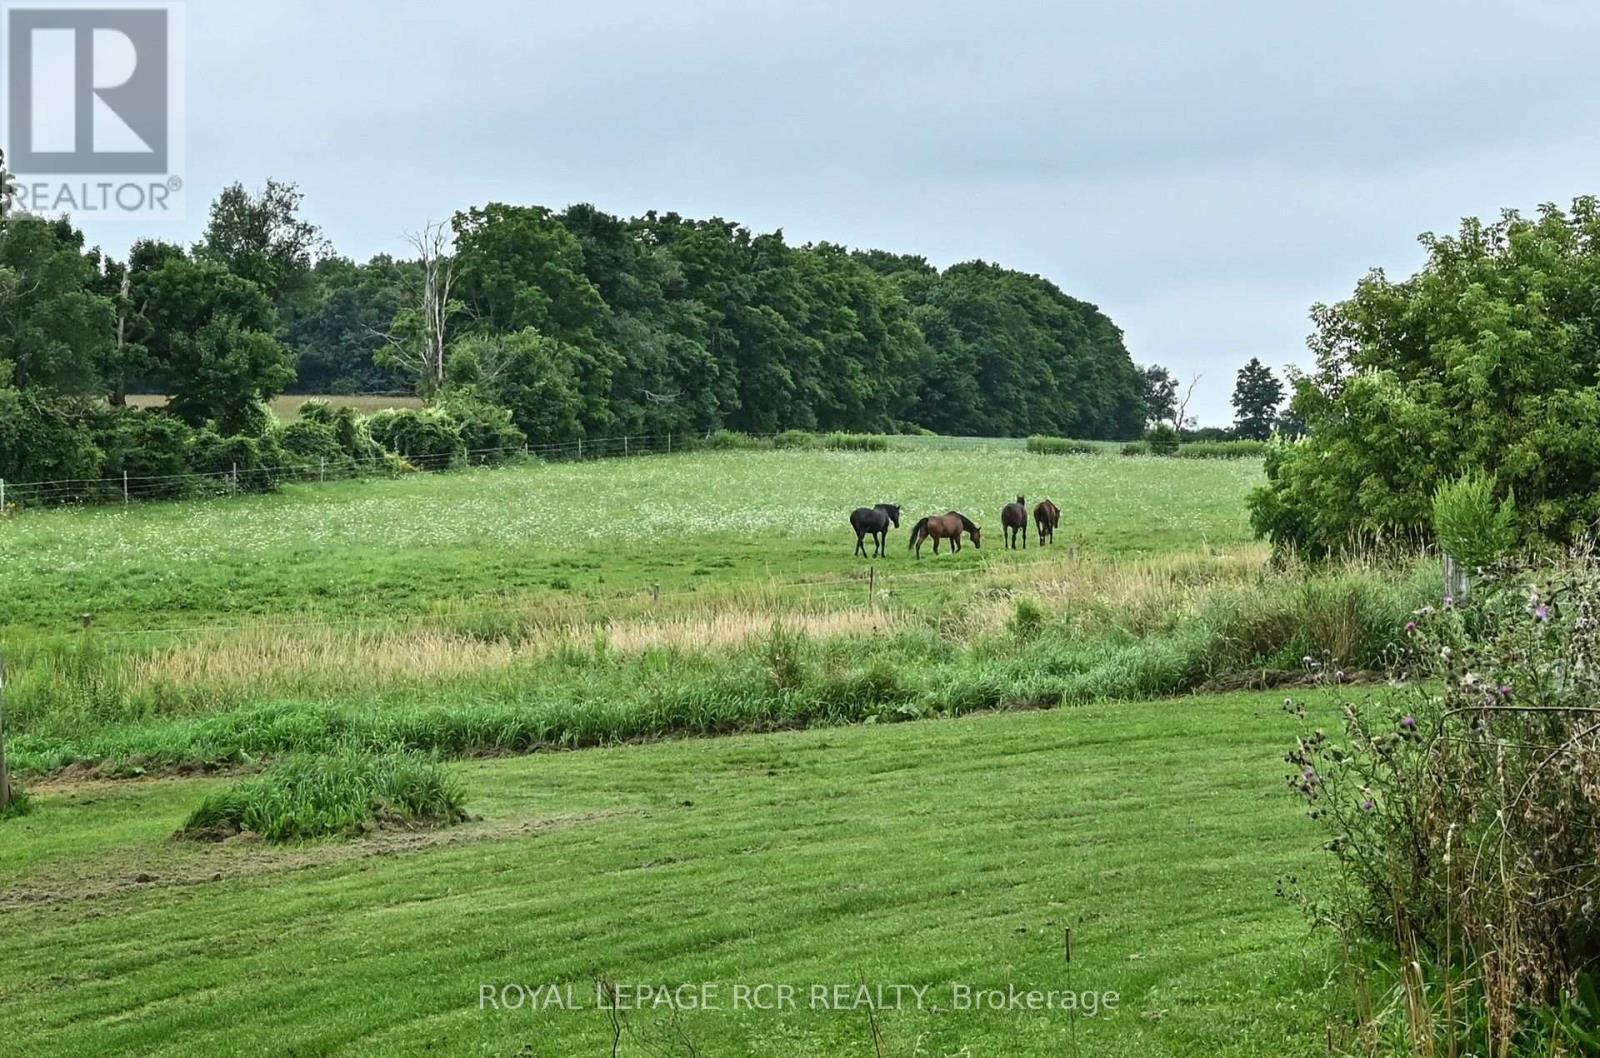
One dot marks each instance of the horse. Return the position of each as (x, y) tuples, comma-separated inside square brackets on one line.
[(944, 527), (1014, 522), (1047, 516), (874, 520)]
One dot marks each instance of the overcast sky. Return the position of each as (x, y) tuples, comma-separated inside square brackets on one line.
[(1202, 172)]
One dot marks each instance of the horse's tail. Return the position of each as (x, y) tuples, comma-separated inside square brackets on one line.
[(918, 531)]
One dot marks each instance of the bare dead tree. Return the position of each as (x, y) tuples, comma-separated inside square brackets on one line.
[(1180, 414), (419, 338)]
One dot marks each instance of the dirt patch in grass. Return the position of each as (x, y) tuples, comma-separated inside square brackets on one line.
[(182, 863)]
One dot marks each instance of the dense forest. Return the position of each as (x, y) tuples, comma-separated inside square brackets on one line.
[(661, 323), (535, 324)]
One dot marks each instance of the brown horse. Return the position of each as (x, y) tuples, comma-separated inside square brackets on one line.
[(1047, 516), (945, 527), (1014, 522)]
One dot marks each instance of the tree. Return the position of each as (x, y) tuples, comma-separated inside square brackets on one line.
[(1257, 393), (208, 333), (55, 327), (1159, 393), (1486, 360), (418, 338), (1180, 409), (337, 328), (262, 237)]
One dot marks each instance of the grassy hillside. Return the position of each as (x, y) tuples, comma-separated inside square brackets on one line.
[(924, 854)]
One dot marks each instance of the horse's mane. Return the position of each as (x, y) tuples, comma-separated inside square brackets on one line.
[(966, 523)]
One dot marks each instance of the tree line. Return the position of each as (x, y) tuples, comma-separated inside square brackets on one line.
[(573, 323)]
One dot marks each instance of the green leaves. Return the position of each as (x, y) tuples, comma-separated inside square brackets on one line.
[(1470, 523), (1487, 357)]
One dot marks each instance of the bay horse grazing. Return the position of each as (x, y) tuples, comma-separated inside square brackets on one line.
[(1047, 516), (945, 527), (1014, 522), (874, 520)]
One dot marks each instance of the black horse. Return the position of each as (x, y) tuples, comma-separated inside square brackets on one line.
[(874, 520), (1014, 522)]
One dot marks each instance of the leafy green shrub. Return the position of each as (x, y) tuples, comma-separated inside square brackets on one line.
[(797, 439), (153, 448), (258, 460), (341, 793), (1472, 525), (45, 438), (1060, 446), (1136, 448), (486, 429), (430, 439), (1245, 449), (730, 439), (1161, 439), (308, 440), (1472, 362), (1461, 810), (855, 442)]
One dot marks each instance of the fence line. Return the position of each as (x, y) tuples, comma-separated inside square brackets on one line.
[(128, 487)]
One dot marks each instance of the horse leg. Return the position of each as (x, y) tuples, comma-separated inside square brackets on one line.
[(1024, 532), (860, 548), (883, 544)]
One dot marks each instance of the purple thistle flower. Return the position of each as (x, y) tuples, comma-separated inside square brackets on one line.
[(1367, 805), (1504, 690), (1411, 628), (1408, 722), (1541, 612), (1310, 775)]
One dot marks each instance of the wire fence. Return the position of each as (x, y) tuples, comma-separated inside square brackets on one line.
[(19, 495)]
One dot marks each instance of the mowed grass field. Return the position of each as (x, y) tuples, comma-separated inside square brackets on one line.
[(700, 522), (928, 854), (492, 615)]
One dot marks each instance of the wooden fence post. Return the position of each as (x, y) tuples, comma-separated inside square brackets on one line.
[(624, 444), (233, 481), (5, 773), (1457, 586), (322, 469), (124, 488), (2, 495), (872, 581)]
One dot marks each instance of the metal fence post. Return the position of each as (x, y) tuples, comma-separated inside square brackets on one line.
[(233, 481), (322, 469), (624, 444), (2, 495), (580, 448), (124, 488)]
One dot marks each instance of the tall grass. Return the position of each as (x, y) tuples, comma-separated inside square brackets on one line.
[(343, 792), (1244, 449), (1055, 632), (1061, 446)]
